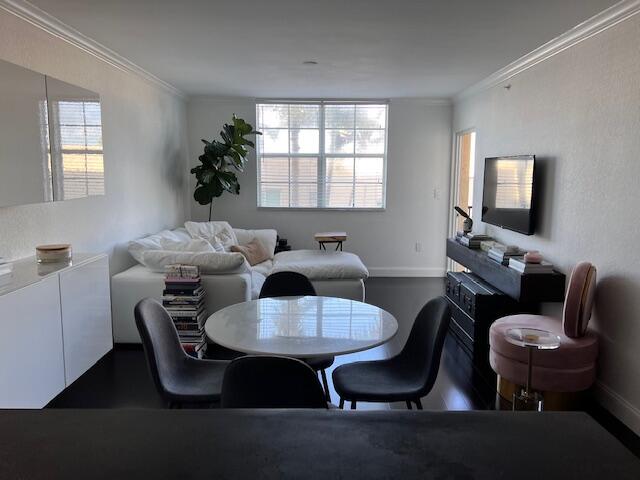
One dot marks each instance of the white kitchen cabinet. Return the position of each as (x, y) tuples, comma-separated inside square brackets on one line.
[(55, 323)]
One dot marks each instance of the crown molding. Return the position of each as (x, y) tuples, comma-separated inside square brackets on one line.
[(598, 23), (41, 19)]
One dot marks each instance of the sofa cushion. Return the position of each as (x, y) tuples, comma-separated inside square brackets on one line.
[(320, 264), (208, 262), (264, 268), (268, 238), (191, 245), (213, 232), (254, 251), (158, 241), (257, 280)]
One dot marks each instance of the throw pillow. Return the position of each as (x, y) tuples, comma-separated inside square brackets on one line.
[(253, 251), (268, 238)]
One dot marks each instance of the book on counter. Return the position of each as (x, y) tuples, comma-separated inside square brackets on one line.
[(503, 253), (183, 298), (518, 264), (473, 240)]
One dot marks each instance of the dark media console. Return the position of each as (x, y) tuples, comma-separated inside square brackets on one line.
[(490, 292)]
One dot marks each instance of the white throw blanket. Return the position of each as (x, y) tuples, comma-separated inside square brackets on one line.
[(320, 264)]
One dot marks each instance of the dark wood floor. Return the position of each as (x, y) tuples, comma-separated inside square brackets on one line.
[(121, 379)]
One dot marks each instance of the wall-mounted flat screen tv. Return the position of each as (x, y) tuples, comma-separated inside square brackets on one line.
[(508, 198)]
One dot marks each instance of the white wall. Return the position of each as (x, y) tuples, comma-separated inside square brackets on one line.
[(419, 150), (579, 112), (144, 154)]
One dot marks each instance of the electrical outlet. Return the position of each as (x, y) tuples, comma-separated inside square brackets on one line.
[(418, 247)]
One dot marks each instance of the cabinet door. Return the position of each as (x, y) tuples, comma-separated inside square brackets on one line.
[(31, 357), (86, 316)]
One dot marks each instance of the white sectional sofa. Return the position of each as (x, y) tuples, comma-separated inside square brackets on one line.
[(226, 277)]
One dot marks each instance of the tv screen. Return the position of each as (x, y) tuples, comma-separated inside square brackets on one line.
[(509, 193)]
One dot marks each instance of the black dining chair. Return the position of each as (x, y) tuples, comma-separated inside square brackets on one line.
[(256, 381), (293, 284), (287, 284), (409, 375), (179, 378)]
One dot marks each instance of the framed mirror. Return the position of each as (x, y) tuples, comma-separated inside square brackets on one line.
[(50, 139)]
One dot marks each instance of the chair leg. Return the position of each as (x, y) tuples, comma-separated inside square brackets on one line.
[(341, 406), (418, 404), (353, 405), (409, 405), (323, 374)]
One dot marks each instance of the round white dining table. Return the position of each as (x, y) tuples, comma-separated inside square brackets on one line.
[(301, 327)]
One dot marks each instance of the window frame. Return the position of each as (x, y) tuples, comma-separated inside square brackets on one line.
[(322, 155)]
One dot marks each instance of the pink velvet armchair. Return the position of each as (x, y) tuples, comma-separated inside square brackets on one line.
[(570, 368)]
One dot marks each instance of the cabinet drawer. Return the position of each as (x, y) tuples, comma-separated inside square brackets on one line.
[(464, 321)]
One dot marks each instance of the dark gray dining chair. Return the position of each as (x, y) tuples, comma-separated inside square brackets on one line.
[(409, 375), (256, 381), (179, 378), (293, 284)]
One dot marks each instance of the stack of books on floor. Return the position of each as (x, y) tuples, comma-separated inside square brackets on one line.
[(6, 272), (518, 264), (503, 253), (472, 240), (183, 297)]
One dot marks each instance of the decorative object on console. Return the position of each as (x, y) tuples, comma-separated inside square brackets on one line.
[(221, 160), (56, 253), (533, 256), (467, 225), (183, 298), (568, 369)]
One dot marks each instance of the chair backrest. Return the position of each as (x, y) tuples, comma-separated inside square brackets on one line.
[(286, 284), (271, 382), (578, 302), (423, 349), (160, 342)]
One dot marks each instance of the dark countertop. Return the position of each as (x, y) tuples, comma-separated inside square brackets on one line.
[(220, 444)]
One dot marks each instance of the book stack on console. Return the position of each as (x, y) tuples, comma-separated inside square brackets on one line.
[(183, 297), (6, 271), (473, 240), (502, 253), (518, 264)]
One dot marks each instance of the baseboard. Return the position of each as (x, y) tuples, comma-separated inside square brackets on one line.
[(406, 272), (618, 406)]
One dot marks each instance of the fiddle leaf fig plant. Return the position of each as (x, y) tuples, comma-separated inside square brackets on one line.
[(220, 162)]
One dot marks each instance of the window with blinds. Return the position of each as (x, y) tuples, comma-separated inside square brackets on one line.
[(322, 155), (77, 143)]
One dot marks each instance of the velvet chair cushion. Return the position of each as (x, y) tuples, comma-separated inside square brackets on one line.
[(579, 300), (574, 353)]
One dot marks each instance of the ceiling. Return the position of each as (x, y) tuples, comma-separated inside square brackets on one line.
[(399, 48)]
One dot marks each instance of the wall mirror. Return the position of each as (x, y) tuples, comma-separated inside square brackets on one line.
[(50, 139)]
